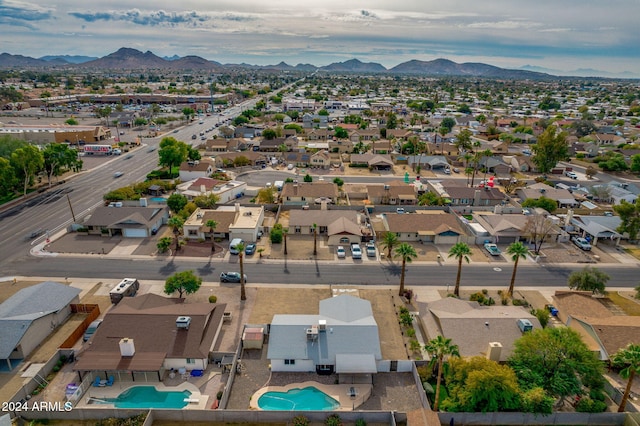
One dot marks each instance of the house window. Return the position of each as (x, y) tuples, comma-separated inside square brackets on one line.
[(191, 361), (193, 232), (289, 362), (297, 229), (398, 234)]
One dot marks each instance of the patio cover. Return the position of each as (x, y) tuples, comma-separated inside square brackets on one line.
[(355, 363), (108, 361)]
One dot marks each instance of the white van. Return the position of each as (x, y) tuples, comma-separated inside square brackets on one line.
[(234, 244)]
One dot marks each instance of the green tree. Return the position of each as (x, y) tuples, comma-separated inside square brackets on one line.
[(543, 202), (28, 161), (188, 113), (536, 400), (339, 182), (439, 349), (460, 251), (517, 251), (212, 224), (589, 279), (208, 201), (340, 133), (550, 148), (172, 152), (176, 223), (7, 177), (58, 157), (463, 140), (267, 195), (448, 123), (389, 241), (629, 218), (628, 359), (407, 253), (479, 384), (163, 244), (71, 122), (308, 178), (176, 202), (276, 234), (269, 134), (193, 154), (538, 228), (431, 199), (185, 282), (140, 121), (557, 360)]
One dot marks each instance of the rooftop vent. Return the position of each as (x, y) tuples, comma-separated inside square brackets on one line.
[(322, 325), (183, 322)]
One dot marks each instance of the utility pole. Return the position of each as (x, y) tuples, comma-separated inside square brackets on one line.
[(71, 208)]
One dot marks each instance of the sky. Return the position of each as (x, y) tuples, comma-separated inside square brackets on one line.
[(559, 35)]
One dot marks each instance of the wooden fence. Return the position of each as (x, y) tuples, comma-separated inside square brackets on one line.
[(92, 311)]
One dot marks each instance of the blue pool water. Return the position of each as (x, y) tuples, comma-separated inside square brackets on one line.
[(158, 200), (309, 398), (149, 397)]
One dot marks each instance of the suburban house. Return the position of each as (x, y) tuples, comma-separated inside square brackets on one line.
[(537, 190), (616, 193), (225, 190), (130, 222), (232, 222), (505, 228), (339, 226), (596, 227), (393, 192), (464, 196), (428, 162), (298, 159), (601, 330), (225, 159), (373, 161), (365, 135), (190, 170), (477, 329), (273, 145), (321, 159), (29, 316), (340, 145), (343, 338), (168, 334), (433, 226), (319, 134), (301, 193)]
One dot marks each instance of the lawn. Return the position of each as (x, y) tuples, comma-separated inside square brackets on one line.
[(628, 306), (633, 252)]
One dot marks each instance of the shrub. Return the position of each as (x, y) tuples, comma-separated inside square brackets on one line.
[(56, 368), (588, 405), (537, 401), (361, 422), (213, 299), (406, 319), (333, 420), (411, 332), (403, 310), (542, 315), (485, 291), (219, 395), (520, 302), (477, 297), (637, 295), (300, 421)]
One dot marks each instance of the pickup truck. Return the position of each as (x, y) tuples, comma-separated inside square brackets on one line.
[(492, 249), (356, 251)]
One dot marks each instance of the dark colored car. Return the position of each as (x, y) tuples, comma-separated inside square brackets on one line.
[(91, 329), (231, 277), (250, 249)]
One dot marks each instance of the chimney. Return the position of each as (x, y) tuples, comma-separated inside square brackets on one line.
[(237, 206), (203, 189), (476, 197), (323, 205), (494, 351), (127, 347)]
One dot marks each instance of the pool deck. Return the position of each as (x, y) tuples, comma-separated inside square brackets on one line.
[(198, 401), (350, 396)]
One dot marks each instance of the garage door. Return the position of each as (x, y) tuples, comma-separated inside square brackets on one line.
[(441, 239), (134, 233)]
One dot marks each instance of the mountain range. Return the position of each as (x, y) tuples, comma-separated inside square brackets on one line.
[(132, 59)]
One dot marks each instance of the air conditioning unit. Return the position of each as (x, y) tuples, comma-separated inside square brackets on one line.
[(312, 333), (183, 322), (525, 325), (322, 325)]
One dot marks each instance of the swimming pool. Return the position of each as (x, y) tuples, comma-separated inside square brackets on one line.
[(148, 397), (308, 398), (158, 199)]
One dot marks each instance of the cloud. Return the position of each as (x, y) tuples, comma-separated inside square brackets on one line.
[(22, 14), (158, 18)]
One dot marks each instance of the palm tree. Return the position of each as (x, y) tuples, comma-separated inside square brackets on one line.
[(407, 253), (517, 251), (176, 223), (439, 348), (240, 247), (212, 224), (629, 358), (315, 239), (389, 241), (459, 251), (442, 131)]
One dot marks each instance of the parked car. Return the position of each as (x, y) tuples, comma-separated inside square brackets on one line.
[(400, 210), (371, 249), (194, 137), (91, 330), (581, 243), (341, 252), (231, 277), (492, 249), (117, 174), (250, 249), (572, 175), (356, 251)]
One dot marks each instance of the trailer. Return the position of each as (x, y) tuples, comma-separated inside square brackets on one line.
[(98, 149)]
